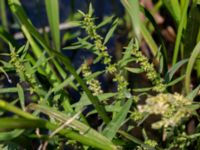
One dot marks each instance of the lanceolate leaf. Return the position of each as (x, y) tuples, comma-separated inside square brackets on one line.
[(111, 31), (112, 128), (21, 96), (193, 93), (6, 136), (174, 69), (134, 70)]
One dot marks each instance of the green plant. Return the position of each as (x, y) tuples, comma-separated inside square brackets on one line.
[(42, 104)]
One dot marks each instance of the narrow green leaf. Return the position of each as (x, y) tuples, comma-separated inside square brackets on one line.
[(142, 89), (31, 121), (87, 131), (172, 71), (3, 14), (163, 48), (29, 31), (124, 62), (94, 75), (192, 30), (8, 90), (193, 93), (84, 101), (21, 123), (135, 140), (41, 60), (21, 96), (141, 27), (7, 136), (105, 21), (91, 10), (52, 9), (127, 57), (149, 40), (112, 128), (66, 82), (9, 107), (190, 65), (175, 81), (4, 72), (133, 8), (73, 47), (180, 30), (111, 31), (128, 50), (134, 70), (7, 38), (174, 8)]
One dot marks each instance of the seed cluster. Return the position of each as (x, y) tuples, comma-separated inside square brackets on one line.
[(172, 108), (94, 85), (21, 68), (151, 73)]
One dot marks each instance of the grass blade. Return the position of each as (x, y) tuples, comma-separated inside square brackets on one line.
[(174, 9), (30, 121), (158, 32), (192, 59), (175, 81), (169, 75), (180, 32), (3, 14), (8, 90), (192, 30), (143, 30), (21, 123), (7, 38), (75, 124), (133, 8), (52, 9)]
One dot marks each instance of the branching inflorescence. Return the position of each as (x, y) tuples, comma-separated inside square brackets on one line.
[(151, 73), (90, 27), (23, 69)]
